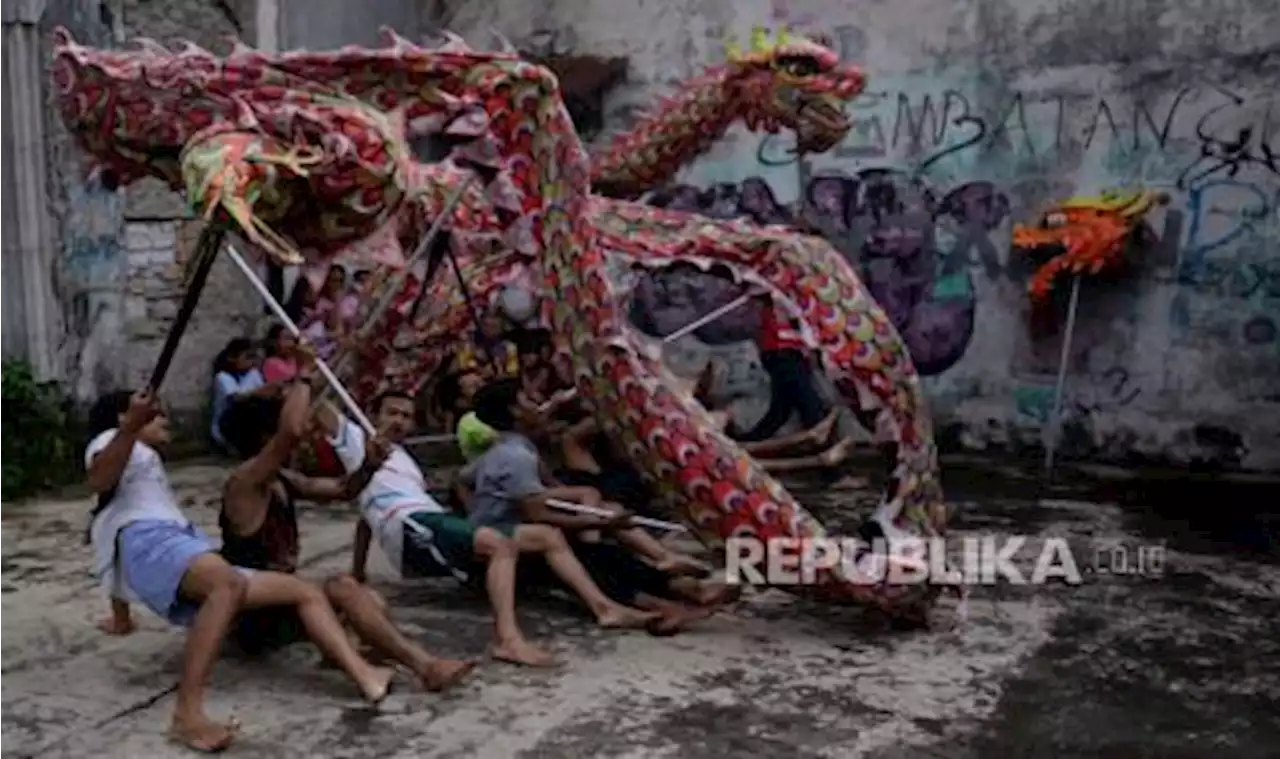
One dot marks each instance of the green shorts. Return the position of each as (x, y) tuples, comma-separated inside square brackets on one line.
[(442, 545)]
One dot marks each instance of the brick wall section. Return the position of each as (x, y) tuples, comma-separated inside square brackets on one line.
[(159, 254)]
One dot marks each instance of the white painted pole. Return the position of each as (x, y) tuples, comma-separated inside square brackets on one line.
[(703, 321), (1055, 418), (594, 511), (391, 288), (278, 310)]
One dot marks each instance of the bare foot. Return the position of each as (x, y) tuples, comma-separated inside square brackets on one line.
[(378, 684), (116, 626), (821, 432), (619, 617), (837, 453), (524, 653), (673, 621), (849, 482), (445, 673), (719, 594), (202, 734), (680, 564)]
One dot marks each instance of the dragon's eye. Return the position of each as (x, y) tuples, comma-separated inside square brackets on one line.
[(798, 65), (1053, 220)]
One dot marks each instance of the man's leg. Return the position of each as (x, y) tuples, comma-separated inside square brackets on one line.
[(220, 591), (368, 617), (809, 403), (781, 402), (510, 644), (834, 455), (664, 558), (269, 589), (547, 540)]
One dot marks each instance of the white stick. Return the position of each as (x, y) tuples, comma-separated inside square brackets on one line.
[(578, 508), (719, 312), (392, 288), (279, 311), (1055, 419)]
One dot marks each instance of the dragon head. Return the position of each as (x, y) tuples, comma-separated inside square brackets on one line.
[(795, 83), (1084, 235)]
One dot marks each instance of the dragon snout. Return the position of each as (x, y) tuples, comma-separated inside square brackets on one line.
[(821, 123), (1036, 244)]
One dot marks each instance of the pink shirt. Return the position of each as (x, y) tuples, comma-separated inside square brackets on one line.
[(276, 369)]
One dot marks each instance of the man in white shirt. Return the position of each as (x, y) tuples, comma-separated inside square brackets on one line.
[(420, 537), (147, 551)]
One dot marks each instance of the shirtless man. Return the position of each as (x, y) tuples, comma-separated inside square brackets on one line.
[(420, 538), (147, 551), (260, 531)]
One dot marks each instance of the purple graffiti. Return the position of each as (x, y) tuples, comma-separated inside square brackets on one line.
[(913, 247)]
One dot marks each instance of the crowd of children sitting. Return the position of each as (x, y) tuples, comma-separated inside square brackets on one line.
[(528, 441)]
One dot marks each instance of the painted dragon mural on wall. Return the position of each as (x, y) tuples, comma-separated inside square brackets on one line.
[(307, 153), (1085, 236)]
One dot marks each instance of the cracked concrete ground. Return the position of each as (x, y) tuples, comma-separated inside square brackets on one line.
[(1183, 665)]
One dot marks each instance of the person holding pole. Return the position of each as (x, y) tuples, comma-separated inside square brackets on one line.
[(148, 552), (260, 532), (420, 538)]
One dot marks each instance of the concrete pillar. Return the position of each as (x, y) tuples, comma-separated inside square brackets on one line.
[(29, 302)]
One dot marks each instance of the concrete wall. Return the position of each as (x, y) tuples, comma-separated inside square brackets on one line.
[(982, 111), (119, 270)]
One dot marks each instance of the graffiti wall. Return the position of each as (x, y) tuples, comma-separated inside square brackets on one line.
[(982, 118)]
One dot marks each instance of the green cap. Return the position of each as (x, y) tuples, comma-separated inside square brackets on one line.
[(474, 436)]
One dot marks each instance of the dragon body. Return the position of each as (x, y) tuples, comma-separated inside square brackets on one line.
[(308, 170)]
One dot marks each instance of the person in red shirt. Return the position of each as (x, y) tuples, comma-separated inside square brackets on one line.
[(786, 359)]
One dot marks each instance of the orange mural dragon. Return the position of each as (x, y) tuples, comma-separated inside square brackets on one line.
[(1085, 235)]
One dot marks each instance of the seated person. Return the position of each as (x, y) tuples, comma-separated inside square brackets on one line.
[(260, 532), (235, 373), (514, 472), (420, 538), (768, 452), (537, 375), (493, 355), (504, 487), (148, 552)]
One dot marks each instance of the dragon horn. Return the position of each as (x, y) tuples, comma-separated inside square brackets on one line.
[(392, 39), (452, 40), (504, 44), (759, 39), (149, 45), (62, 37)]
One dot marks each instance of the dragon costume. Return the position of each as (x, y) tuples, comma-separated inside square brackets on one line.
[(308, 171), (1084, 235), (781, 82)]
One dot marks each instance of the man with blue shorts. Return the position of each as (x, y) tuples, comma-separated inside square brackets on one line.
[(147, 551)]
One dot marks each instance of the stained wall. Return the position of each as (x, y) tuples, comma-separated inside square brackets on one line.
[(978, 114)]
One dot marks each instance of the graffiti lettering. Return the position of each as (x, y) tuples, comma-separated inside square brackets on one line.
[(1249, 145), (1232, 280)]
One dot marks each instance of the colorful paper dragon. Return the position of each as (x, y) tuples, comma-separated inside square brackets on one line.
[(1084, 236), (308, 171)]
